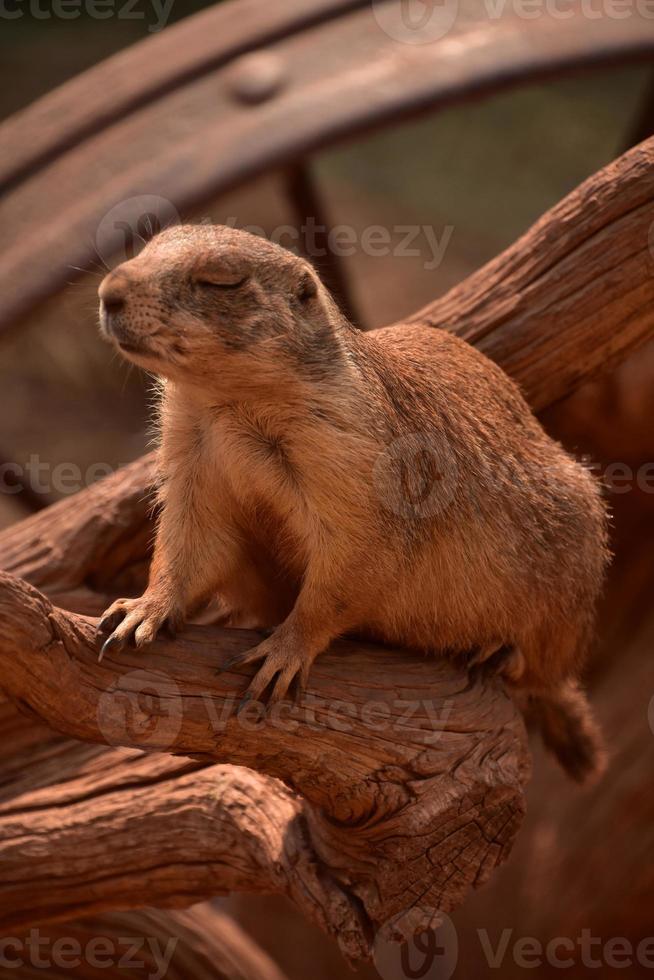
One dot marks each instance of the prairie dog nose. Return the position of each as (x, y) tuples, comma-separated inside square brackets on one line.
[(113, 292)]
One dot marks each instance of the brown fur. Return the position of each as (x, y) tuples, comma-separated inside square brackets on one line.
[(324, 480)]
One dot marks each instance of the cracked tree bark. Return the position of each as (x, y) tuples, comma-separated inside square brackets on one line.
[(382, 810)]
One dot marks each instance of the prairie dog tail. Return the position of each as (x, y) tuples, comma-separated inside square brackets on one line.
[(568, 729)]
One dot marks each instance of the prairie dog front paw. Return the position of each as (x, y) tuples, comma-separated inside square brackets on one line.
[(135, 621)]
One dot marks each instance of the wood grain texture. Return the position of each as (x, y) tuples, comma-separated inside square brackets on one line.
[(410, 781), (90, 539), (575, 295)]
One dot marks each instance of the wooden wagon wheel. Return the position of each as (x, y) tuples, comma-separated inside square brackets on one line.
[(356, 825), (236, 91)]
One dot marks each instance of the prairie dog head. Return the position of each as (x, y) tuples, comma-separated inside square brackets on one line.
[(216, 305)]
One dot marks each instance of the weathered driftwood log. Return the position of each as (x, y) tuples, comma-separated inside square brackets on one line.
[(572, 297), (393, 815), (64, 784), (410, 777), (241, 830), (94, 541)]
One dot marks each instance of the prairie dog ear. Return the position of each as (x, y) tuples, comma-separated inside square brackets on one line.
[(307, 287)]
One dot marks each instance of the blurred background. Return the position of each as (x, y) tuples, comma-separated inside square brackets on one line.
[(478, 174)]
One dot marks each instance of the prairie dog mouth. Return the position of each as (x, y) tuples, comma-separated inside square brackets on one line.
[(126, 343)]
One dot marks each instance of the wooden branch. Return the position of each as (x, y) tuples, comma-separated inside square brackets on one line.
[(120, 848), (93, 538), (242, 832), (202, 943), (104, 825), (575, 295), (412, 780)]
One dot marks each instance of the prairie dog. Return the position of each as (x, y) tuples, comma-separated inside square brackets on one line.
[(322, 480)]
